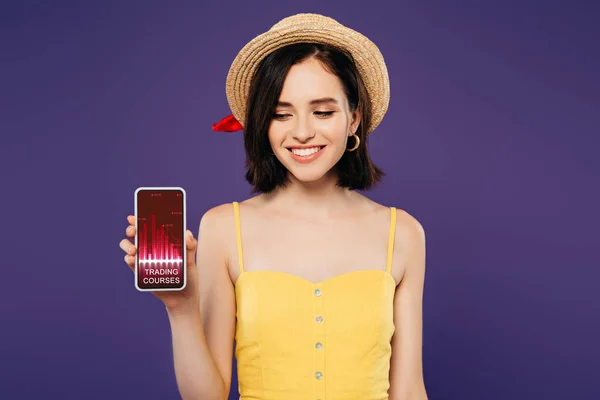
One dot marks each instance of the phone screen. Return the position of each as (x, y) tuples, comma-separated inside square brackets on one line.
[(160, 241)]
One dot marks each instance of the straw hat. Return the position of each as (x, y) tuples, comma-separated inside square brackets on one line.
[(313, 28)]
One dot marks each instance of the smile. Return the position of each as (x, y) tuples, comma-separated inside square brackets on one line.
[(306, 155)]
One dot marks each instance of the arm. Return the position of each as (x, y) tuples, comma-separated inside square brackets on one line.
[(203, 336), (406, 369)]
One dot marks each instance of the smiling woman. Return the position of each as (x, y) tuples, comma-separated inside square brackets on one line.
[(282, 101), (319, 286)]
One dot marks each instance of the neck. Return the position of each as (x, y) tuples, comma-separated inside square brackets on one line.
[(318, 199)]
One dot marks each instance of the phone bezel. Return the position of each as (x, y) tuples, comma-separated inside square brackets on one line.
[(184, 252)]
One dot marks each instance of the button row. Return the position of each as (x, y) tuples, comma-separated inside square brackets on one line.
[(318, 345)]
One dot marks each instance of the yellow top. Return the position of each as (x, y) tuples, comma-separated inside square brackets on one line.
[(298, 340)]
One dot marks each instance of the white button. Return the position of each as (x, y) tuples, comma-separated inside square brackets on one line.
[(319, 345), (318, 292), (319, 375), (319, 319)]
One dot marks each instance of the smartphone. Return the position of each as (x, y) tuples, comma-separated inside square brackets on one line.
[(160, 259)]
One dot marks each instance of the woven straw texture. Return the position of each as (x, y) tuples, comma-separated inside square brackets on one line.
[(314, 28)]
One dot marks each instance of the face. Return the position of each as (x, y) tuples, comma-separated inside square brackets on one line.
[(312, 122)]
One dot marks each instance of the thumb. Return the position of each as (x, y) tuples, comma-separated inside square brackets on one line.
[(190, 244)]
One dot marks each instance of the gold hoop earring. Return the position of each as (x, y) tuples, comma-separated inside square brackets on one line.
[(357, 140)]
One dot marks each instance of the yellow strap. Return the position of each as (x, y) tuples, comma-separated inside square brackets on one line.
[(238, 231), (391, 240)]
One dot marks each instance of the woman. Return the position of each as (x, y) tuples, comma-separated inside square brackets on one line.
[(320, 287)]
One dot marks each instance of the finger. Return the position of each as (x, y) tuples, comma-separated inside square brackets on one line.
[(131, 219), (127, 247), (130, 260), (191, 244), (130, 231)]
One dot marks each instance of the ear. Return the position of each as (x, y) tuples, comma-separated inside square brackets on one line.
[(356, 118)]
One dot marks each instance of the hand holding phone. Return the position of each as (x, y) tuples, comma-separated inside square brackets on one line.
[(163, 256)]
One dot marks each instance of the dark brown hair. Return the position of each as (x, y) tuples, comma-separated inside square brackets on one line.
[(264, 171)]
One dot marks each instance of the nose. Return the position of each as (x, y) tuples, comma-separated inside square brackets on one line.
[(304, 130)]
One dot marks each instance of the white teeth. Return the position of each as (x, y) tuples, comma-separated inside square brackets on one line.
[(305, 152)]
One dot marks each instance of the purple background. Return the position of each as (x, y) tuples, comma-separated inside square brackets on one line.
[(491, 142)]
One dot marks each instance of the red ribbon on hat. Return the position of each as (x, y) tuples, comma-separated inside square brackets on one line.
[(227, 124)]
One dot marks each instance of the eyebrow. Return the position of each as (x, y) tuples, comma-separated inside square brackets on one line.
[(324, 100)]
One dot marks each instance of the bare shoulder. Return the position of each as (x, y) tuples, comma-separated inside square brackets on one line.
[(220, 219), (213, 220), (409, 240), (218, 213), (405, 222), (410, 234), (409, 245), (408, 225), (216, 224)]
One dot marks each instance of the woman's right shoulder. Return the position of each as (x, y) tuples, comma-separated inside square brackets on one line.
[(222, 216), (217, 215), (218, 229)]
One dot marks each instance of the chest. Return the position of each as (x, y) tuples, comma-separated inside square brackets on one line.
[(313, 250)]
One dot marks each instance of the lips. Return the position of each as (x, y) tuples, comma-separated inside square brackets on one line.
[(306, 155), (305, 151)]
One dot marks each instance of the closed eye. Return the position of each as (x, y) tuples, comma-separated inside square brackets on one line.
[(324, 113), (319, 113)]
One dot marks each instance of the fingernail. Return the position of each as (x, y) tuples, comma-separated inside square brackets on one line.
[(129, 250)]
